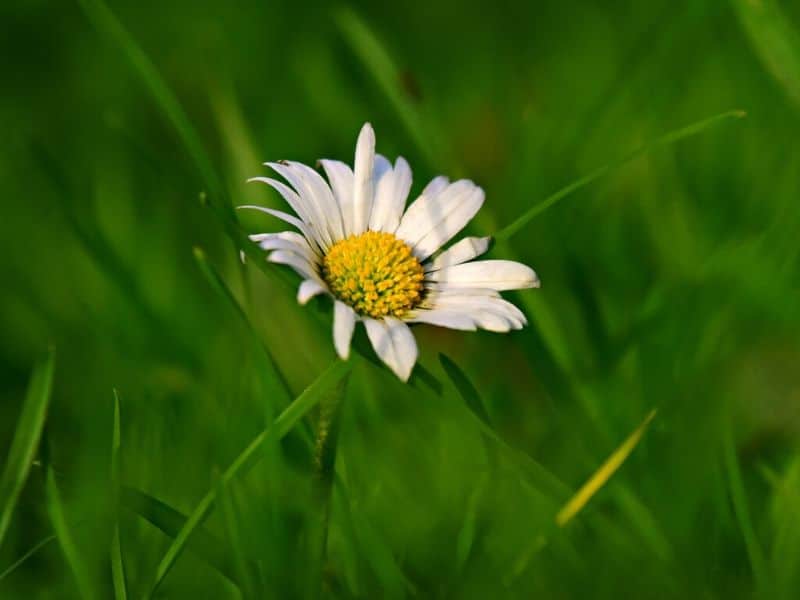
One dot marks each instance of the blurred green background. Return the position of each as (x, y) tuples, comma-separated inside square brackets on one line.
[(671, 283)]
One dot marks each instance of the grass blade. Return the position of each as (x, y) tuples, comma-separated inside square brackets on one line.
[(107, 23), (665, 140), (65, 540), (741, 509), (117, 567), (233, 532), (603, 474), (170, 522), (378, 62), (775, 40), (26, 439), (273, 379), (21, 560), (249, 457)]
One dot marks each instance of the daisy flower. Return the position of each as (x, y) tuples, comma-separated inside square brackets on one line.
[(381, 262)]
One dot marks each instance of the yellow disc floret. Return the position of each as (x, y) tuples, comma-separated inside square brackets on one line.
[(375, 273)]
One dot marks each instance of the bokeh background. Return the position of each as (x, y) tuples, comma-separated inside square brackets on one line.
[(670, 283)]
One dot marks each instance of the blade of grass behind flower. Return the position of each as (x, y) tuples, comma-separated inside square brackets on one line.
[(249, 457), (775, 40), (665, 140), (117, 566), (26, 439), (65, 540), (603, 474)]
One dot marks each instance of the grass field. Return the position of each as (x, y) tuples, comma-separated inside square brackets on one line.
[(161, 401)]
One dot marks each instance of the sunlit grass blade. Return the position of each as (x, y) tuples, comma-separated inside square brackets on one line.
[(249, 457), (380, 65), (664, 140), (117, 566), (603, 474), (107, 23), (170, 522), (741, 509), (65, 540), (775, 39), (26, 439)]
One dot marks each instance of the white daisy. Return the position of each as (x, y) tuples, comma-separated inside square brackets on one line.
[(378, 262)]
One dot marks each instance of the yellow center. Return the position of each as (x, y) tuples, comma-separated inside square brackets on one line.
[(375, 273)]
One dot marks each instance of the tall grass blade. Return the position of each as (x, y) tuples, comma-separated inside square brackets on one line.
[(26, 439), (603, 474), (665, 140), (249, 457), (65, 540), (117, 566), (775, 40), (230, 518)]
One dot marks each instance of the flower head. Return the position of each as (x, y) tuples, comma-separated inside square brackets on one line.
[(380, 261)]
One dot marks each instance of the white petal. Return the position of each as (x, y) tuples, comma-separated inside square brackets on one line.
[(289, 240), (460, 252), (391, 192), (433, 220), (344, 322), (340, 177), (291, 220), (313, 206), (362, 178), (292, 198), (443, 318), (436, 185), (394, 344), (308, 289), (493, 274), (298, 263), (326, 202), (491, 304)]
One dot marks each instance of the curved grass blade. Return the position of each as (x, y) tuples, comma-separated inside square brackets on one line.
[(65, 540), (665, 140), (741, 509), (117, 566), (775, 40), (249, 457), (465, 388), (26, 439), (603, 474)]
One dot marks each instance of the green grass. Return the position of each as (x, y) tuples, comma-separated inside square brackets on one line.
[(669, 266)]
